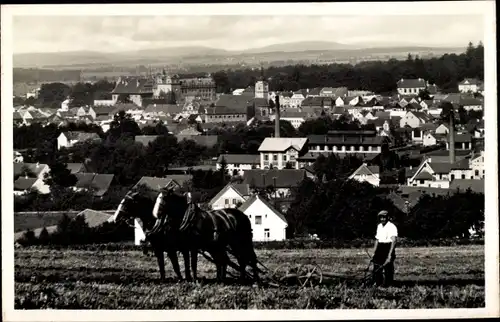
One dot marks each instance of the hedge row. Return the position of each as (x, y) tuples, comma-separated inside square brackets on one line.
[(276, 245)]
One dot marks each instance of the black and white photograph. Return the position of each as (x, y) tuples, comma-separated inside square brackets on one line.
[(300, 156)]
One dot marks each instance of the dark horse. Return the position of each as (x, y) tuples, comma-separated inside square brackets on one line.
[(139, 206), (212, 231)]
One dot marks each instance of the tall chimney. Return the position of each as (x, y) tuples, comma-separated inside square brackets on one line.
[(452, 137), (277, 118)]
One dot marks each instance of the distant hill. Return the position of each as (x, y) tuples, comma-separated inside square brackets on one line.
[(301, 46), (192, 55)]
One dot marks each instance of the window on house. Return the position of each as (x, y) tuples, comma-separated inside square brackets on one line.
[(235, 201), (452, 177), (267, 233), (476, 172), (421, 181), (275, 157), (258, 220), (236, 165), (361, 148), (266, 157), (463, 176)]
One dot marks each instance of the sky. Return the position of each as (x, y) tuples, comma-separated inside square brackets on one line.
[(37, 34)]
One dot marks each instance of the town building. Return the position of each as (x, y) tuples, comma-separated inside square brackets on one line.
[(469, 85), (411, 86), (279, 152)]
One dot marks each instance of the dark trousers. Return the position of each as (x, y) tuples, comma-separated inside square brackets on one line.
[(383, 275)]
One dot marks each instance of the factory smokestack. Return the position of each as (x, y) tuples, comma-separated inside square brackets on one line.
[(452, 137), (277, 118)]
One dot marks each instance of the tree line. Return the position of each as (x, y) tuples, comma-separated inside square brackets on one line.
[(376, 76)]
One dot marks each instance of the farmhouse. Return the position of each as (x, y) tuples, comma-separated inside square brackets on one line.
[(268, 224)]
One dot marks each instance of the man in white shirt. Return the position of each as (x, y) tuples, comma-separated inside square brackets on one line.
[(384, 250)]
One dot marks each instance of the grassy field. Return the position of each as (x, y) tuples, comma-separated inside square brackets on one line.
[(439, 277)]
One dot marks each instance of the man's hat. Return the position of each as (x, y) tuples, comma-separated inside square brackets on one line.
[(383, 213)]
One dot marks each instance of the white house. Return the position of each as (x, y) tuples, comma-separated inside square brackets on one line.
[(68, 139), (414, 119), (277, 152), (366, 173), (236, 164), (231, 196), (297, 98), (430, 138), (443, 129), (411, 86), (268, 224), (477, 165), (469, 85)]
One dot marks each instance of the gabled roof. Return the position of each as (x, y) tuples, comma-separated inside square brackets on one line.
[(224, 110), (285, 178), (133, 85), (33, 167), (240, 158), (411, 83), (470, 101), (242, 190), (99, 182), (155, 183), (377, 121), (94, 218), (440, 167), (422, 115), (75, 167), (424, 175), (145, 139), (256, 198), (23, 183), (367, 170), (282, 144), (470, 81), (428, 127), (234, 102)]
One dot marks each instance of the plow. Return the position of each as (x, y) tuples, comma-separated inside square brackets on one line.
[(301, 275)]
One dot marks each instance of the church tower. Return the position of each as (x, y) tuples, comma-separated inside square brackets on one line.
[(262, 86)]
